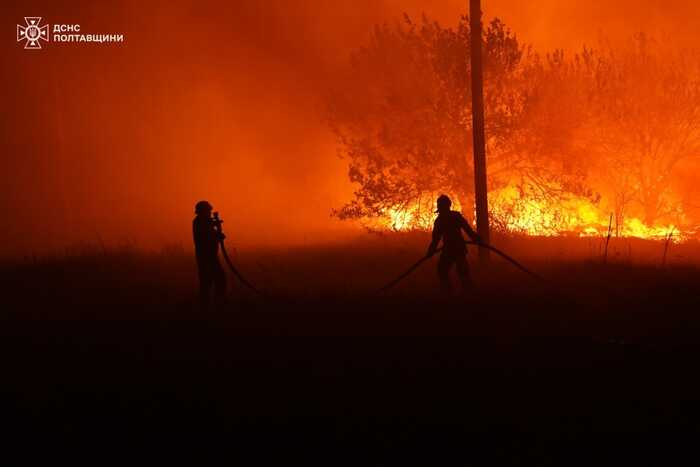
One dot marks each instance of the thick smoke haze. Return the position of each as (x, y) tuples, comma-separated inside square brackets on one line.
[(220, 101)]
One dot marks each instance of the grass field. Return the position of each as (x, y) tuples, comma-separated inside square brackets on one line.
[(105, 351)]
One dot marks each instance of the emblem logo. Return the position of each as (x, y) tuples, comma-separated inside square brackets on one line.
[(32, 32)]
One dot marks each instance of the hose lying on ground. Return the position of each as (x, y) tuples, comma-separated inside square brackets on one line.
[(391, 284), (418, 263), (236, 272)]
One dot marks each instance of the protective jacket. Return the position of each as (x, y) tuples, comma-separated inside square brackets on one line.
[(448, 227)]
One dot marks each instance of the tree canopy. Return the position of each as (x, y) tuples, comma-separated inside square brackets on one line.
[(609, 126)]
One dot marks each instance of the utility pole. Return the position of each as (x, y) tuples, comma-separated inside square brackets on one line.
[(479, 148)]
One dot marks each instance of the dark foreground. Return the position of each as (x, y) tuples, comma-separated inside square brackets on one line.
[(102, 362)]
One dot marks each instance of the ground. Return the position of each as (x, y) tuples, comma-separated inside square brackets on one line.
[(104, 351)]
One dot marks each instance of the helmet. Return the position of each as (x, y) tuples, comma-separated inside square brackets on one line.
[(443, 203), (202, 207)]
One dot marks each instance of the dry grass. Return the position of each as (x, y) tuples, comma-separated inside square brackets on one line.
[(104, 350)]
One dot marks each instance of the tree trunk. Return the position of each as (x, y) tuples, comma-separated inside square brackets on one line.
[(479, 140)]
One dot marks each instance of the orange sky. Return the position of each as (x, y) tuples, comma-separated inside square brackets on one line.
[(219, 100)]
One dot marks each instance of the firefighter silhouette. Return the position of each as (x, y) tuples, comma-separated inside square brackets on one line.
[(448, 227), (206, 247)]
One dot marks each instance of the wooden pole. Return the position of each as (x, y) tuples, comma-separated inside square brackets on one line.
[(479, 148)]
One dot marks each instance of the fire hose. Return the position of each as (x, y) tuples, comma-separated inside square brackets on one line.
[(418, 263), (236, 272), (217, 224)]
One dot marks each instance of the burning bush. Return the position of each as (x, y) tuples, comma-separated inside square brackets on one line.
[(569, 140)]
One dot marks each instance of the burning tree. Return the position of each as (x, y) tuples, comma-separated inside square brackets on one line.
[(569, 139), (644, 122), (403, 116), (545, 167)]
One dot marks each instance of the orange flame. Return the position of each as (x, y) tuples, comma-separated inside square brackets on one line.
[(512, 212)]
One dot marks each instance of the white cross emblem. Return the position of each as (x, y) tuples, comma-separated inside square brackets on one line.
[(32, 32)]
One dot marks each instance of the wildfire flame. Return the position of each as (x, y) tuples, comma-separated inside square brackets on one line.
[(511, 211), (574, 216)]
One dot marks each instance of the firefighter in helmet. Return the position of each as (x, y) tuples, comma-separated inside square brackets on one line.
[(448, 227), (206, 247)]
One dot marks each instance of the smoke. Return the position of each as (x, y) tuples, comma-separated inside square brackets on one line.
[(571, 24), (215, 100)]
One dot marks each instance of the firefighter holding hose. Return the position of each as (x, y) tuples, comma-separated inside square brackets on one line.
[(448, 227), (207, 238)]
